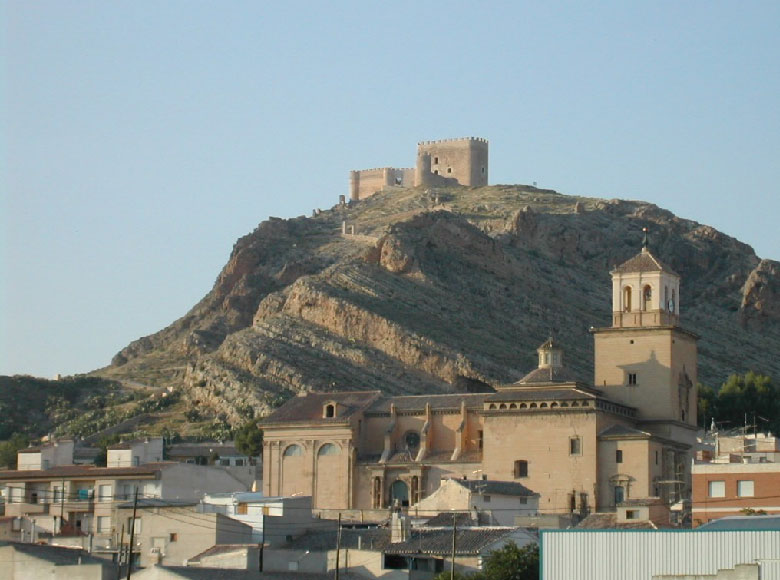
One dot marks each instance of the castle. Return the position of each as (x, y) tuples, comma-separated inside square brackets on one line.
[(628, 436), (446, 162)]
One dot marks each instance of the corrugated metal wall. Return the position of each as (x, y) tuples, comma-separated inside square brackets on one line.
[(639, 555)]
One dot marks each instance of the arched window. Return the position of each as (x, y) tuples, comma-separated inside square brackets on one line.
[(293, 451), (329, 449), (673, 303), (412, 440), (329, 411), (502, 406), (647, 297), (627, 299), (543, 405)]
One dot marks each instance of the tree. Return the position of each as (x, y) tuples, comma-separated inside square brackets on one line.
[(507, 563), (8, 450), (742, 399), (512, 563), (249, 439)]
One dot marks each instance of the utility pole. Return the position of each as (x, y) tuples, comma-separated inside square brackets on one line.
[(132, 536), (62, 505), (119, 553), (262, 540), (338, 546), (454, 532)]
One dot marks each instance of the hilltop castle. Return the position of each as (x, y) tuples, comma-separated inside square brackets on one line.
[(461, 161)]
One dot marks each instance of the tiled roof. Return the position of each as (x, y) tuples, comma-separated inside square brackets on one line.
[(609, 521), (492, 487), (643, 262), (418, 402), (548, 375), (375, 539), (566, 394), (57, 555), (623, 431), (85, 471), (462, 520), (468, 541), (309, 407)]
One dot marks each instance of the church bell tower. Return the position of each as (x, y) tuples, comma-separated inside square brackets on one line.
[(646, 359)]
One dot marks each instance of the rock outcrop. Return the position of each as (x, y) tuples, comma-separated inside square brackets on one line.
[(445, 300)]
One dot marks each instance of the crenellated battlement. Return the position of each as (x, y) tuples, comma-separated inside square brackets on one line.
[(444, 162), (454, 140), (382, 169)]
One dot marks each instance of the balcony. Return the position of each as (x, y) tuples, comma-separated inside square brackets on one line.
[(18, 509)]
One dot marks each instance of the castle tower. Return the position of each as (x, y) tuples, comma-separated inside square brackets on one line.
[(646, 359), (452, 162)]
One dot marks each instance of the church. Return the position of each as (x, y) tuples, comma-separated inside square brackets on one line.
[(581, 447)]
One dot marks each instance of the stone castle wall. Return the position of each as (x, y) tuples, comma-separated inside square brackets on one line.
[(366, 182), (445, 162)]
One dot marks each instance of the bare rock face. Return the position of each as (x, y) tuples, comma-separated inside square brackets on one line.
[(444, 300), (761, 296)]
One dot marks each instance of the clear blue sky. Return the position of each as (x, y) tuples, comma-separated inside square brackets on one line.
[(141, 139)]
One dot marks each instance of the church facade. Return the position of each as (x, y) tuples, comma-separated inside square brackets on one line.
[(581, 447)]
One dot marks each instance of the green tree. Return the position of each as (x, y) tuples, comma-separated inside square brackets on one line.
[(512, 563), (507, 563), (8, 450), (741, 399), (249, 439)]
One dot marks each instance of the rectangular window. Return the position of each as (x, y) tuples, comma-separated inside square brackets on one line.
[(632, 378), (224, 462), (717, 489), (486, 498), (575, 446), (435, 160), (103, 524), (173, 537), (137, 524), (620, 494), (136, 460), (480, 439), (619, 456), (242, 509), (656, 457), (521, 468), (104, 493), (745, 488), (632, 514)]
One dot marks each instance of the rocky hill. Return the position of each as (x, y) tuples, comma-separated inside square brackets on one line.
[(444, 290)]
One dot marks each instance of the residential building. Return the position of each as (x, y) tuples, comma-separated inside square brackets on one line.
[(34, 561), (171, 532), (399, 552), (728, 489), (500, 501), (134, 453), (274, 520), (79, 501), (581, 446)]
